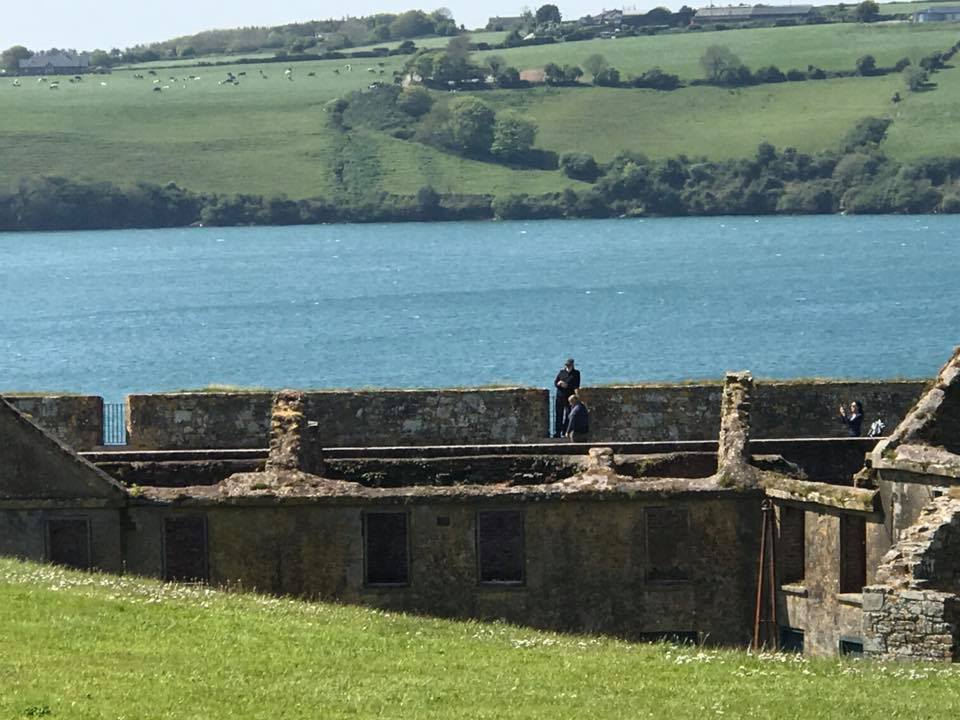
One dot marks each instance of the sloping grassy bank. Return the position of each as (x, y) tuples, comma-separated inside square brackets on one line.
[(77, 645)]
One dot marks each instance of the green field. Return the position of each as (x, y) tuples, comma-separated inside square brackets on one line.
[(87, 646), (270, 135), (425, 42), (707, 121), (831, 47)]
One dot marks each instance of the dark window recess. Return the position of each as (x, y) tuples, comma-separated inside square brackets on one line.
[(851, 646), (68, 542), (791, 640), (677, 637), (443, 521), (853, 554), (185, 548), (500, 546), (790, 545), (387, 561), (668, 541)]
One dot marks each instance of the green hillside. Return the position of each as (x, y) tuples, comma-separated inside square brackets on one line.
[(88, 646), (270, 135), (831, 47)]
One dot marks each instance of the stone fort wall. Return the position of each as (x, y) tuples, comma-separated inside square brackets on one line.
[(510, 415), (624, 413)]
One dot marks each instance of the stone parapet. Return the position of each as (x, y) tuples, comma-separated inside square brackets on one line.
[(75, 420)]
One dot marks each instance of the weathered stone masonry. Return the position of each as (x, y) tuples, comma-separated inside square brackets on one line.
[(636, 540)]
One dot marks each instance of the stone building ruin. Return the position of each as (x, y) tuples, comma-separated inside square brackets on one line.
[(641, 539)]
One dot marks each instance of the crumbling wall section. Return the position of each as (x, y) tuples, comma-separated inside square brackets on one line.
[(913, 610), (75, 420)]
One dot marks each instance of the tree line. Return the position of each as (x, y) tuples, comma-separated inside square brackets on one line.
[(858, 178)]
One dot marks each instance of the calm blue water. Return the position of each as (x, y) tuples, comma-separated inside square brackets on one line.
[(474, 303)]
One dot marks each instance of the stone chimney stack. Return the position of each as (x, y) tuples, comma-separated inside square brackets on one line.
[(734, 448), (294, 441)]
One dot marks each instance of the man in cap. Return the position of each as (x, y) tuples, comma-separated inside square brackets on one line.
[(567, 383)]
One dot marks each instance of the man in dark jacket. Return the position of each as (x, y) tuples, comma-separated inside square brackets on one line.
[(578, 420), (566, 383)]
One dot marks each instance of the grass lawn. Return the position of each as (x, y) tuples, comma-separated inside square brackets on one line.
[(831, 47), (713, 122), (91, 646), (924, 125)]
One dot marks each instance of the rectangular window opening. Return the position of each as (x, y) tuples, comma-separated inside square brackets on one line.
[(386, 548), (791, 640), (500, 547), (68, 542), (853, 554), (852, 647), (185, 548), (668, 544), (791, 545)]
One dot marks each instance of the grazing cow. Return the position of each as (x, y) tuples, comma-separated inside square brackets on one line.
[(311, 74), (158, 89), (371, 70), (102, 84), (151, 72), (336, 71), (16, 83)]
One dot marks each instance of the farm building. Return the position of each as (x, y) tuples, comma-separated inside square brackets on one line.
[(62, 63), (938, 14), (505, 23), (746, 13)]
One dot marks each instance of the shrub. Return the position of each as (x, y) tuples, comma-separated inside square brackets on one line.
[(950, 203), (736, 76), (795, 75), (609, 77), (932, 62), (656, 79), (815, 73), (867, 65), (595, 64), (902, 63), (718, 61), (509, 77), (770, 74), (868, 132), (915, 79), (415, 101), (579, 166), (512, 137)]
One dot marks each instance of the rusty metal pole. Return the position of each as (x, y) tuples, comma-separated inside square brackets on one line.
[(765, 628), (771, 518), (759, 603)]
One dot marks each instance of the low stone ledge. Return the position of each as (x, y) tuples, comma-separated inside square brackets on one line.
[(850, 499)]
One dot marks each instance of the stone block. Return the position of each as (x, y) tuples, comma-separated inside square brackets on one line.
[(873, 599)]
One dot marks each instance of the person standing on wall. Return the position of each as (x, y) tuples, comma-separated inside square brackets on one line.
[(578, 420), (853, 421), (566, 384)]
